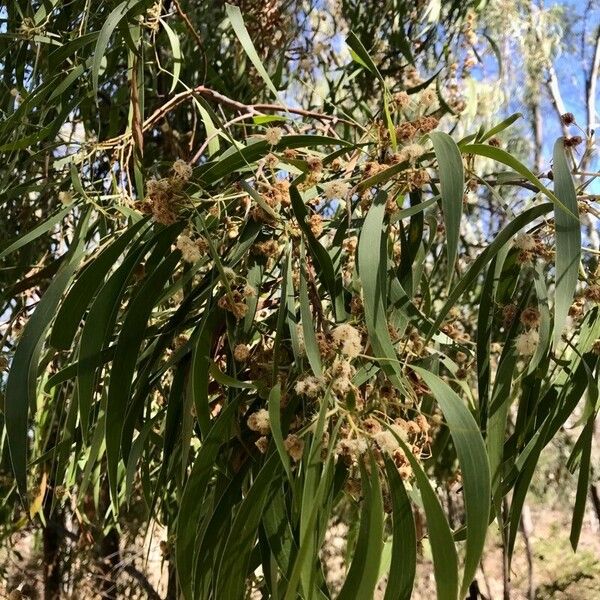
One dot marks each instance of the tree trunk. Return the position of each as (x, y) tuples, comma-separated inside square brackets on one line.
[(109, 551), (52, 542)]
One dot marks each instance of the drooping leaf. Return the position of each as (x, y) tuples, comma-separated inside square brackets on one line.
[(475, 469), (452, 184), (568, 239)]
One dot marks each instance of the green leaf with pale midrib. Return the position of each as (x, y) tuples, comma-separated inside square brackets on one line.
[(452, 184), (474, 466), (568, 239)]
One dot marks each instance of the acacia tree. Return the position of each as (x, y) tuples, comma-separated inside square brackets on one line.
[(241, 295)]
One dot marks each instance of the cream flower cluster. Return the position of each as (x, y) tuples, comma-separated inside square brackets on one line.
[(348, 340)]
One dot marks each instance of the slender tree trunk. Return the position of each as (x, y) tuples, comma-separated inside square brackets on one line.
[(52, 542), (526, 529), (172, 583), (595, 495), (538, 134), (109, 551), (505, 562)]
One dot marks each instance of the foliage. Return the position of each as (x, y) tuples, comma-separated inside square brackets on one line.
[(250, 311)]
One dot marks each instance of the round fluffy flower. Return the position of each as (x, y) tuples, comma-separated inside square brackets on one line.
[(402, 99), (273, 135), (335, 189), (241, 352), (189, 250), (294, 446), (527, 342), (347, 338), (413, 151), (525, 242), (182, 170), (352, 448), (259, 422), (428, 97), (341, 375), (386, 441), (66, 198), (310, 386)]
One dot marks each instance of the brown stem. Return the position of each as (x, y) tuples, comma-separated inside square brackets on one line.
[(525, 527), (52, 540), (538, 136), (151, 593), (202, 90)]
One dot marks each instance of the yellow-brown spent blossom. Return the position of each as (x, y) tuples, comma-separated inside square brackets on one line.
[(371, 168), (294, 446), (572, 142), (180, 341), (350, 244), (262, 444), (271, 160), (576, 309), (509, 312), (259, 422), (593, 293), (234, 304), (417, 178), (405, 131), (530, 317), (314, 164), (189, 249), (525, 242), (371, 425), (568, 118), (160, 195), (325, 346), (260, 215), (426, 124), (267, 248), (182, 170), (241, 353), (461, 357), (386, 441), (348, 340), (402, 100), (281, 191), (315, 222), (596, 347), (356, 306)]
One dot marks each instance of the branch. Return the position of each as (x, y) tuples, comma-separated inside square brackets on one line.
[(202, 90), (591, 85), (151, 593), (556, 97)]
